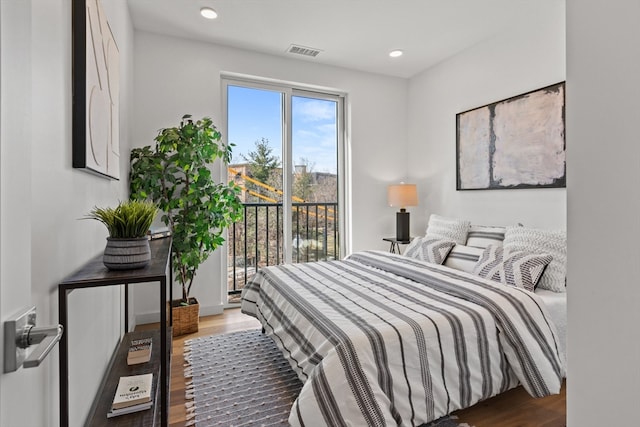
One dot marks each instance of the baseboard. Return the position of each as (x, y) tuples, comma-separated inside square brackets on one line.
[(211, 310), (154, 317)]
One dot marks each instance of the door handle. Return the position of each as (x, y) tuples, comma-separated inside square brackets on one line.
[(21, 335), (46, 337)]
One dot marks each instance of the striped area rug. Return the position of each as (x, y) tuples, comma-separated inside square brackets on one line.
[(242, 379)]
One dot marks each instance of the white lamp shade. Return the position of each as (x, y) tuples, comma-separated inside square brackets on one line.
[(402, 195)]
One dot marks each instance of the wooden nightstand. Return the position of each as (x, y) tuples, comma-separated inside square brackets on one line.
[(394, 248)]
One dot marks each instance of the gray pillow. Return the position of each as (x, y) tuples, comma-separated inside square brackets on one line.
[(430, 250), (512, 268), (552, 242), (481, 236)]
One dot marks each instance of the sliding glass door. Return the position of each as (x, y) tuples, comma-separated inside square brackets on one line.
[(287, 158)]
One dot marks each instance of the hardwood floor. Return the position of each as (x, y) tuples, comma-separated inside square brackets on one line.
[(514, 408)]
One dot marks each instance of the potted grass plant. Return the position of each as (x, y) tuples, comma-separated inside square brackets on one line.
[(128, 225), (176, 175)]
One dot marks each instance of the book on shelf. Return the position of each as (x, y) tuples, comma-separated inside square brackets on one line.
[(129, 409), (139, 351), (159, 232), (132, 390)]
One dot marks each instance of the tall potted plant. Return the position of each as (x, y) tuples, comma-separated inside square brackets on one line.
[(175, 174)]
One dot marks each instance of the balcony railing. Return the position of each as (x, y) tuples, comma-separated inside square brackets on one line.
[(257, 240)]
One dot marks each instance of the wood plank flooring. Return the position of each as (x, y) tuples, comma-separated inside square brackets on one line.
[(514, 408)]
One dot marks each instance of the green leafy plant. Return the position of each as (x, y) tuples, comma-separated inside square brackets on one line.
[(130, 219), (175, 174)]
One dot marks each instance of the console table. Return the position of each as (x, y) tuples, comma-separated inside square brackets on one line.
[(93, 275)]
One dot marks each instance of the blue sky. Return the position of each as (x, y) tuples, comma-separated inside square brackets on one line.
[(254, 114)]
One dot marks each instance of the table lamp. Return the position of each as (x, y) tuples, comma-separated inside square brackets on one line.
[(402, 195)]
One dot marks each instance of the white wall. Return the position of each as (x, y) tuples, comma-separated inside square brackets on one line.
[(177, 76), (603, 89), (15, 238), (42, 200), (510, 63)]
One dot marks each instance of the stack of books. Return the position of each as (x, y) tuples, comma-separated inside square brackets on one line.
[(159, 232), (139, 351), (132, 395)]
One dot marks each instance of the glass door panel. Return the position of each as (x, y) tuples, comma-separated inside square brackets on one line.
[(314, 147), (254, 126), (286, 161)]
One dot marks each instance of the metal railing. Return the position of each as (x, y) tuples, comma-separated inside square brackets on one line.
[(257, 240)]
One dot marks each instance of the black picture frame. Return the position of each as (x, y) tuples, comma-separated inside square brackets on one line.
[(515, 143), (95, 85)]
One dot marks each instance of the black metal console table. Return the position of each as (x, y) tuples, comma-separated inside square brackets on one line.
[(94, 274)]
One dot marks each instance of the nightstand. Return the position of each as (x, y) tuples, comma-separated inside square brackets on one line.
[(394, 248)]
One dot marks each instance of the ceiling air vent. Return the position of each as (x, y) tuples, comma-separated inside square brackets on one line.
[(302, 50)]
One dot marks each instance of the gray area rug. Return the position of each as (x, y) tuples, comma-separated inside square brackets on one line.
[(242, 379)]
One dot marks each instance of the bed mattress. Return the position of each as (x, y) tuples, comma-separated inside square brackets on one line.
[(556, 304)]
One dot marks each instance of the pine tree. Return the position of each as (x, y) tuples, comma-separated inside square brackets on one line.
[(262, 161), (303, 180)]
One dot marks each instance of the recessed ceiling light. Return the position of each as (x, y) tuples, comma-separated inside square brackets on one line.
[(395, 53), (208, 13)]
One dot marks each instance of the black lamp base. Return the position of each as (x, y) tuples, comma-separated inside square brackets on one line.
[(402, 225)]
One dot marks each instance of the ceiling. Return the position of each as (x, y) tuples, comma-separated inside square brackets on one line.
[(355, 34)]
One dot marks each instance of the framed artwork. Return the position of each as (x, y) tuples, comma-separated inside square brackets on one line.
[(96, 145), (515, 143)]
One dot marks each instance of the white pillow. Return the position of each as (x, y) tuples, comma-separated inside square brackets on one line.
[(512, 268), (431, 250), (481, 236), (448, 229), (552, 242), (463, 257)]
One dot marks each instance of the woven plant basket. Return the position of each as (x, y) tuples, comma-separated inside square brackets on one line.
[(185, 317)]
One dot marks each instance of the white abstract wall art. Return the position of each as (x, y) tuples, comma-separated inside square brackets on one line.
[(96, 145), (515, 143)]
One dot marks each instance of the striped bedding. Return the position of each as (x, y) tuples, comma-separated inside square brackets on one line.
[(380, 339)]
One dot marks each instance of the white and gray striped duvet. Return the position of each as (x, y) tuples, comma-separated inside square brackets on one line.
[(379, 339)]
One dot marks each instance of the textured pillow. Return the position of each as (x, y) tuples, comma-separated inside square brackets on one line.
[(513, 268), (448, 229), (552, 242), (463, 258), (431, 250), (481, 236)]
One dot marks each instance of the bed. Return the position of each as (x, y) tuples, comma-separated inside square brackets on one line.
[(382, 339)]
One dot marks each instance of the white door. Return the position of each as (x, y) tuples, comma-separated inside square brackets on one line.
[(21, 392)]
